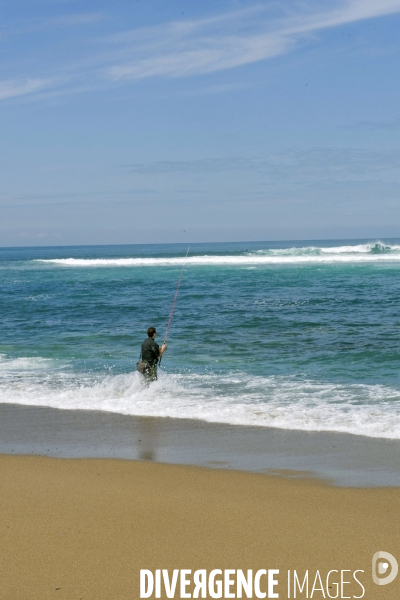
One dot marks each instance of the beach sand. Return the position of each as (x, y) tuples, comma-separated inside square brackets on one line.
[(83, 528)]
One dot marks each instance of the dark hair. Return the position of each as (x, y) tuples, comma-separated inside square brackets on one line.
[(151, 331)]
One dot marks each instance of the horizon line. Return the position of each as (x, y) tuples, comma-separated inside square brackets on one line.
[(334, 239)]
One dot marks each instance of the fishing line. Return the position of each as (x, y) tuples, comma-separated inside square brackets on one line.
[(175, 297)]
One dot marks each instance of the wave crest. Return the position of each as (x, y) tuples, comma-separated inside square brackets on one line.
[(375, 251)]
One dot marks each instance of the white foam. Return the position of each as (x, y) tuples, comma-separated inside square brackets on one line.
[(363, 253), (222, 260), (239, 398)]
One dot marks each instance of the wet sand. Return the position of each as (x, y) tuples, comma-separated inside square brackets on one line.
[(341, 459)]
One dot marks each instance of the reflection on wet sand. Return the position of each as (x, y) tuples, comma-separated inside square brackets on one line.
[(147, 439)]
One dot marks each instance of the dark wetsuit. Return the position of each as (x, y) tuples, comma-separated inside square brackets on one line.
[(151, 354)]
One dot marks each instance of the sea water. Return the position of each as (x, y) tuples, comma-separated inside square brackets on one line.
[(294, 335)]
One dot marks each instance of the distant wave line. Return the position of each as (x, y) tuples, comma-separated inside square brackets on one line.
[(221, 261), (375, 251)]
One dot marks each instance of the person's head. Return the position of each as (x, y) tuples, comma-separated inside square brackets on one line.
[(151, 332)]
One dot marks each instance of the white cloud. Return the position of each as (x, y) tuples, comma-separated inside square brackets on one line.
[(304, 163), (193, 47), (234, 39), (10, 88)]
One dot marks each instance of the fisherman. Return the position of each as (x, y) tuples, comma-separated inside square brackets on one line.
[(151, 353)]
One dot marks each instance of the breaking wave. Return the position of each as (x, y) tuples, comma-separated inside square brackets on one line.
[(238, 398), (373, 252)]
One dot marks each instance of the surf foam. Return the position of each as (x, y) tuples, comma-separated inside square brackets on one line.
[(238, 399), (361, 253)]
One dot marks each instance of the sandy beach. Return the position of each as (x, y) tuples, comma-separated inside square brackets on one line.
[(83, 528)]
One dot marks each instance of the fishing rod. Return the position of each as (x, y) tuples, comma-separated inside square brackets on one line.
[(175, 297)]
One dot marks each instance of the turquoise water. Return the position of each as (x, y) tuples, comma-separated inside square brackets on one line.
[(294, 335)]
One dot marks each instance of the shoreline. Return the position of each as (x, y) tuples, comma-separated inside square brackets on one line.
[(340, 459)]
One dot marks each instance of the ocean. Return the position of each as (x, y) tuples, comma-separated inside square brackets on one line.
[(292, 335)]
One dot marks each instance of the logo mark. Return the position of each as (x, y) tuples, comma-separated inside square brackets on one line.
[(380, 565)]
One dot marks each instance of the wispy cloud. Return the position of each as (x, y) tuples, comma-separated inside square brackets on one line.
[(332, 162), (374, 125), (11, 88), (195, 47), (235, 39)]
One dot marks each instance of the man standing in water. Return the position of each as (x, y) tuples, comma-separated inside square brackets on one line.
[(151, 353)]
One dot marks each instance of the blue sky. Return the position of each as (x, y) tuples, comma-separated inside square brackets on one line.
[(157, 120)]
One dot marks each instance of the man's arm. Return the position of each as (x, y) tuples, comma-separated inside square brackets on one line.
[(157, 351)]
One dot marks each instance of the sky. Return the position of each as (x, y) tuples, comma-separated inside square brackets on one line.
[(153, 121)]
